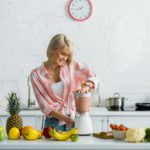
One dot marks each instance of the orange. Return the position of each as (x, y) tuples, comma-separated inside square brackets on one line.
[(24, 129)]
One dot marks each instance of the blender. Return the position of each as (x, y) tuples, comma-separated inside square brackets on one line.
[(82, 118)]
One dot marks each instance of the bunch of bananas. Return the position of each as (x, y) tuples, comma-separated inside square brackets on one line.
[(64, 136)]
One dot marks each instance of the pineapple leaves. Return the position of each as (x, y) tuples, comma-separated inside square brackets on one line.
[(13, 106)]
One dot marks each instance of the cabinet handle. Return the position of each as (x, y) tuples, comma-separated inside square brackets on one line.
[(101, 125), (108, 122), (42, 125), (103, 121)]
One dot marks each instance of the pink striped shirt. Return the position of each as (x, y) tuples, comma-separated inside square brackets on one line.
[(71, 77)]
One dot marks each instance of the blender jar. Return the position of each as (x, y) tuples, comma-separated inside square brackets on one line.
[(82, 101)]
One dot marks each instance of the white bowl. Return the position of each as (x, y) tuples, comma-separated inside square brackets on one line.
[(119, 135)]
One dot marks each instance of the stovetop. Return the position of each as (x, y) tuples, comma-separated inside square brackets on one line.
[(132, 109)]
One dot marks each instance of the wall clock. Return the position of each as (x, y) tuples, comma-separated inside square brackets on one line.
[(80, 10)]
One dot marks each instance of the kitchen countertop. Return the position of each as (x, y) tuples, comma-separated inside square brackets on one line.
[(84, 142), (94, 111), (128, 113)]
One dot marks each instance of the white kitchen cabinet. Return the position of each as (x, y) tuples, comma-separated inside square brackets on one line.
[(130, 121), (34, 121), (101, 118), (3, 120), (99, 123)]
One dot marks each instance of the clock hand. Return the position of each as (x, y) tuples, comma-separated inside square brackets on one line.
[(79, 8)]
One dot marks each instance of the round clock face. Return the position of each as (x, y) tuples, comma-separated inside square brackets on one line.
[(80, 10)]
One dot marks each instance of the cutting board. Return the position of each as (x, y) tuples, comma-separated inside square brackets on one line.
[(103, 135)]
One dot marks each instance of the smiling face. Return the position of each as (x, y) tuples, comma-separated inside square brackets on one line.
[(59, 50), (60, 56)]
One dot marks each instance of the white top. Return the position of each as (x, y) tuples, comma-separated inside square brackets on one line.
[(58, 88)]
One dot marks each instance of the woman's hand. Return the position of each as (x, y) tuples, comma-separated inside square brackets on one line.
[(69, 122)]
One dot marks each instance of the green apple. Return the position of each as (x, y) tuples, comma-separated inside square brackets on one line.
[(74, 137), (1, 129), (2, 134)]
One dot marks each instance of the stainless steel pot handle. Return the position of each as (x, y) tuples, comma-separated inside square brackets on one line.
[(116, 95)]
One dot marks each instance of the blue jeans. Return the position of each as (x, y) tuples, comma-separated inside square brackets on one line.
[(53, 122)]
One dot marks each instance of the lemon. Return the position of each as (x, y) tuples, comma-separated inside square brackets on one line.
[(14, 133)]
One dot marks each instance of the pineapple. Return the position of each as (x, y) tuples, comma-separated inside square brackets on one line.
[(13, 108)]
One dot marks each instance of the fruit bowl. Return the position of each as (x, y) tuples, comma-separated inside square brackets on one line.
[(119, 135)]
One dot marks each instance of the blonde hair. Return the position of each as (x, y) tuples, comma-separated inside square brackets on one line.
[(60, 41)]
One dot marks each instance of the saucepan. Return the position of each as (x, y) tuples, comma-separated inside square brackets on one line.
[(116, 102)]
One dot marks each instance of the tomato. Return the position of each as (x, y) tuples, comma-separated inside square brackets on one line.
[(126, 128), (117, 128), (111, 125), (122, 128), (121, 125)]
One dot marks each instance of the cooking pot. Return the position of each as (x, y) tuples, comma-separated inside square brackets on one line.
[(82, 101), (116, 102)]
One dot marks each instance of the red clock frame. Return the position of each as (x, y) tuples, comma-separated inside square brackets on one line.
[(77, 18)]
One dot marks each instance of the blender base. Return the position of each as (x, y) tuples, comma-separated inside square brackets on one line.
[(83, 123)]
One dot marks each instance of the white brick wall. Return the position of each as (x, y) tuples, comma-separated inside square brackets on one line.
[(114, 42)]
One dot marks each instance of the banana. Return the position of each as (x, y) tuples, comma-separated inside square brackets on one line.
[(40, 134), (32, 134), (62, 136)]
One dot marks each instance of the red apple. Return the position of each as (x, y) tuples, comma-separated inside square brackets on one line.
[(46, 132)]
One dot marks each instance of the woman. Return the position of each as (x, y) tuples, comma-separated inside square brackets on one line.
[(55, 81)]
